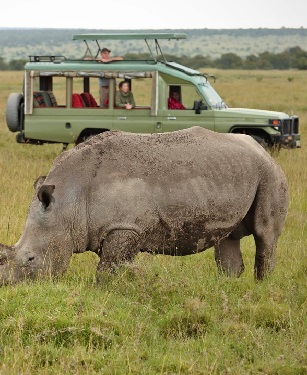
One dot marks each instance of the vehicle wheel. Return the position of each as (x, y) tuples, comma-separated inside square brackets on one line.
[(261, 141), (84, 137), (88, 134), (14, 113)]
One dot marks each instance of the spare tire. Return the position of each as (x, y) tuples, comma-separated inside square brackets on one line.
[(14, 112)]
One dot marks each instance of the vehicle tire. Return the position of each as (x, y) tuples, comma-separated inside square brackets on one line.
[(88, 134), (261, 141), (14, 115), (84, 138)]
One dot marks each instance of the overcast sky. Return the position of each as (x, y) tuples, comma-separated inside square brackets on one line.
[(157, 14)]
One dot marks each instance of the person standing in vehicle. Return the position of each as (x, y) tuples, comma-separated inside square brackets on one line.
[(124, 97), (104, 83)]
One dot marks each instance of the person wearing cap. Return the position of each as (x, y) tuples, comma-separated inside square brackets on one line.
[(105, 56), (104, 83)]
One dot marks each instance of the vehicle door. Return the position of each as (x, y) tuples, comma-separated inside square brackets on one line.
[(142, 118), (195, 111)]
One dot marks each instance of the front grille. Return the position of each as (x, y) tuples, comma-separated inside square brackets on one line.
[(290, 126), (295, 123), (286, 127)]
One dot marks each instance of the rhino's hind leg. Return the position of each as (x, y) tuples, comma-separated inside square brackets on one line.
[(228, 257), (265, 259), (120, 246)]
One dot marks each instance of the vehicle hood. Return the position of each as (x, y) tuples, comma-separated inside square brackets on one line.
[(256, 112)]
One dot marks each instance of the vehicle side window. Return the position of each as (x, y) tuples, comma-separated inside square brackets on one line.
[(85, 93), (49, 92), (59, 90), (187, 95), (142, 92)]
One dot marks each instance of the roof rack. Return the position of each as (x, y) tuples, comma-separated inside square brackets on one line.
[(129, 36), (37, 58)]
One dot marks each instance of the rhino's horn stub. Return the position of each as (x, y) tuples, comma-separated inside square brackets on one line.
[(44, 194)]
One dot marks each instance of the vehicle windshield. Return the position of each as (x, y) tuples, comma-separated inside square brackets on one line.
[(213, 98)]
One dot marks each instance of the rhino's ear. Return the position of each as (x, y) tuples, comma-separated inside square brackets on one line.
[(39, 181), (44, 194)]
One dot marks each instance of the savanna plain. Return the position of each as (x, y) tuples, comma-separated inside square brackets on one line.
[(160, 315)]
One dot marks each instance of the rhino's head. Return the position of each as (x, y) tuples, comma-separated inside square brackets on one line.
[(46, 244)]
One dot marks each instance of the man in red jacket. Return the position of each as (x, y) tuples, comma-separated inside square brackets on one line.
[(174, 102)]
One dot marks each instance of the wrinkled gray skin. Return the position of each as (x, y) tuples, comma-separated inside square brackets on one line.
[(175, 193)]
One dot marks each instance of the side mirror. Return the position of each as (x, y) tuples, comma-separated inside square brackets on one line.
[(199, 106)]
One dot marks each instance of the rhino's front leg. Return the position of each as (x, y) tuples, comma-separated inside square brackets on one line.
[(228, 257), (120, 246)]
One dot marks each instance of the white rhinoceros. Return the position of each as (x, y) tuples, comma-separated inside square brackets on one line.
[(175, 193)]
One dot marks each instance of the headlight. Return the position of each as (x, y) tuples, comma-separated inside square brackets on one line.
[(276, 123)]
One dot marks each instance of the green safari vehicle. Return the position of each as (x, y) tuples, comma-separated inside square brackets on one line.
[(59, 102)]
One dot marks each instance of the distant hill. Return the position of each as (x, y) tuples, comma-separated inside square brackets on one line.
[(20, 43)]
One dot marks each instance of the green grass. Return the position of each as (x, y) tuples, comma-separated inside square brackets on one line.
[(160, 315)]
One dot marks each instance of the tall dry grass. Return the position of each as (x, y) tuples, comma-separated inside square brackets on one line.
[(160, 315)]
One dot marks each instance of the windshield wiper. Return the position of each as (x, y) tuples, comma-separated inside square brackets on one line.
[(220, 105)]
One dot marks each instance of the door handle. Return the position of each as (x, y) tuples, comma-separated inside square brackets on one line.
[(122, 118), (172, 118)]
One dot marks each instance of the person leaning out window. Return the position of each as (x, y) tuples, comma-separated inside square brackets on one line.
[(124, 97)]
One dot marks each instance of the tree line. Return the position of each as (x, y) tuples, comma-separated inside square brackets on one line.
[(291, 58)]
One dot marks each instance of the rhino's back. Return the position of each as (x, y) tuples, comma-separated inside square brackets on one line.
[(194, 160), (232, 163), (190, 171), (175, 155)]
